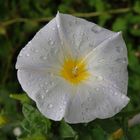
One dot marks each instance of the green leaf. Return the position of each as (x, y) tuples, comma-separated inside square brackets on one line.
[(120, 24), (98, 134), (36, 136), (21, 97), (66, 130), (137, 6), (34, 121)]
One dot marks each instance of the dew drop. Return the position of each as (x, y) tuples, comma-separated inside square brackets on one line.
[(50, 42), (42, 96), (97, 89), (58, 26), (121, 60), (27, 54), (20, 55), (50, 106), (43, 57), (53, 28), (101, 60), (46, 83), (46, 90), (36, 50), (96, 29), (119, 49), (122, 96), (100, 78), (62, 43)]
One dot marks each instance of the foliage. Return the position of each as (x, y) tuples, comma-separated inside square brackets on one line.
[(19, 21)]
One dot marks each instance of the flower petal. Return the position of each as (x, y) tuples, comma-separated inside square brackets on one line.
[(33, 81), (79, 34), (53, 103), (44, 50), (95, 101), (109, 61)]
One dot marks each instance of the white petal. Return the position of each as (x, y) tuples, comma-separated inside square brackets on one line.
[(33, 81), (95, 101), (43, 50), (53, 103), (81, 35), (109, 61)]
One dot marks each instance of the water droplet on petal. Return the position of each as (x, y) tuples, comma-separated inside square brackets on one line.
[(121, 60), (53, 28), (101, 60), (20, 55), (27, 54), (122, 96), (36, 50), (42, 96), (119, 49), (96, 29), (50, 42), (46, 90), (100, 78), (58, 26), (43, 57), (50, 106), (97, 89)]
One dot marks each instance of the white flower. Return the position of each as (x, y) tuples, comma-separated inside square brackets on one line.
[(75, 69)]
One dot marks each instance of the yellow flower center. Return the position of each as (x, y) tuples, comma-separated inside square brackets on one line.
[(74, 71)]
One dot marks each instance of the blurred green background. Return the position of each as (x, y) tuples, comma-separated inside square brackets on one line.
[(19, 21)]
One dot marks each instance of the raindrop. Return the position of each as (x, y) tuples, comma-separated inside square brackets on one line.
[(100, 78), (46, 90), (64, 103), (58, 26), (43, 57), (46, 83), (89, 99), (115, 93), (97, 89), (122, 96), (119, 49), (61, 109), (20, 55), (96, 29), (27, 54), (101, 60), (62, 43), (42, 96), (121, 60), (36, 50), (51, 84), (50, 106), (50, 42), (53, 28)]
